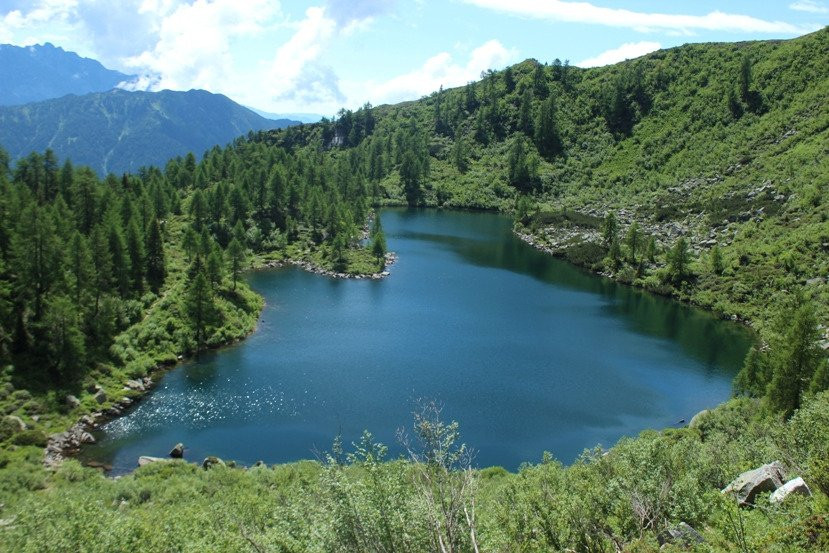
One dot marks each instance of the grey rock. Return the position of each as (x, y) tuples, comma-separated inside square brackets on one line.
[(682, 534), (87, 438), (100, 396), (16, 422), (794, 486), (145, 460), (72, 402), (211, 461), (763, 479), (698, 418), (135, 385), (178, 451)]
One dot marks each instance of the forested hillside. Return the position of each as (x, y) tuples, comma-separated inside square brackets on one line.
[(698, 172), (722, 145), (120, 131)]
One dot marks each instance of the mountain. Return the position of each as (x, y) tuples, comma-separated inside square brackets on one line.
[(719, 147), (119, 131), (301, 117), (41, 72)]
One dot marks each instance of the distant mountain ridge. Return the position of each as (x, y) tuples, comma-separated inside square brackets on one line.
[(120, 131), (42, 72)]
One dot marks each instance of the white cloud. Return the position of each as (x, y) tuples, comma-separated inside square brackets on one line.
[(440, 70), (34, 22), (295, 74), (194, 42), (626, 51), (810, 6), (585, 12)]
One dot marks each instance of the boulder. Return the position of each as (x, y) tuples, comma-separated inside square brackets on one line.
[(682, 534), (135, 385), (211, 461), (797, 485), (15, 423), (72, 402), (178, 451), (698, 418), (146, 460), (100, 396), (87, 438), (763, 479)]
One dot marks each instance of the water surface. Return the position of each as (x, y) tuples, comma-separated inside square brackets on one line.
[(528, 353)]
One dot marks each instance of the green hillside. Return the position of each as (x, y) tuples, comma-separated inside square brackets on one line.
[(722, 144), (698, 172), (120, 131)]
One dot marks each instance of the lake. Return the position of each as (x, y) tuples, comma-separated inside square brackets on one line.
[(527, 352)]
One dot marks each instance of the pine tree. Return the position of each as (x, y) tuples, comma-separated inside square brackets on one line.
[(120, 260), (796, 359), (190, 243), (753, 377), (716, 260), (155, 264), (135, 252), (63, 341), (198, 209), (199, 303), (525, 113), (610, 229), (102, 265), (214, 267), (236, 259), (80, 266), (410, 178), (36, 256), (678, 261), (547, 137), (84, 199)]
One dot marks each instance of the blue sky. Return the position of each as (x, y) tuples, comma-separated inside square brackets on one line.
[(296, 56)]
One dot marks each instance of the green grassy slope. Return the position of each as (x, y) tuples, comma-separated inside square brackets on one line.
[(698, 160)]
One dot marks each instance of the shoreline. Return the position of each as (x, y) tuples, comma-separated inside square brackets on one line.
[(534, 241), (67, 444)]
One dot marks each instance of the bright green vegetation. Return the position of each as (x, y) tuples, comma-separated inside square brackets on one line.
[(358, 502), (698, 172), (724, 145), (105, 281)]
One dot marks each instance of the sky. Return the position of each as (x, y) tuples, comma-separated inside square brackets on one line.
[(319, 56)]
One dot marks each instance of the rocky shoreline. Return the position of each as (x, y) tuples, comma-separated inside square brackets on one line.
[(390, 259), (68, 443)]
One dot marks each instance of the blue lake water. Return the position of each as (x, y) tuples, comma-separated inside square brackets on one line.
[(528, 353)]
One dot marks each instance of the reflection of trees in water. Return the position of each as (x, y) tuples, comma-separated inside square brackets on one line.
[(719, 345)]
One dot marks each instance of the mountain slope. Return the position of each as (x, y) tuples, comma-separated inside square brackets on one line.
[(723, 145), (120, 131), (41, 72)]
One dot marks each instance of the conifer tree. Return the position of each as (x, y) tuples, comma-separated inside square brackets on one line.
[(214, 267), (199, 303), (135, 252), (236, 259), (796, 359), (547, 137), (155, 262), (80, 266)]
